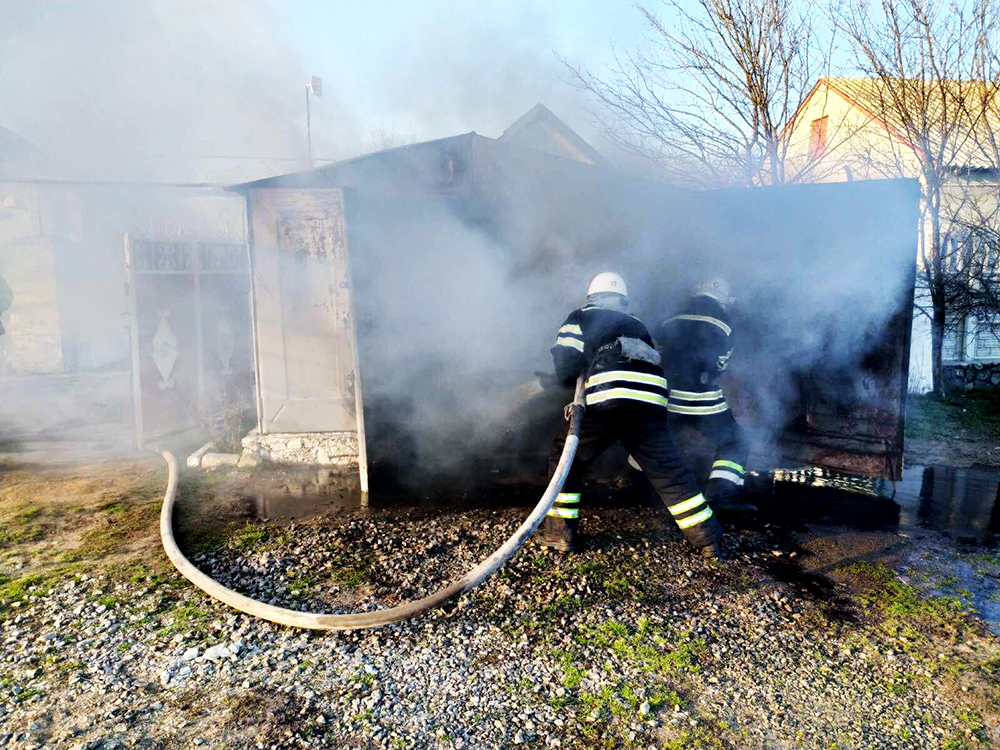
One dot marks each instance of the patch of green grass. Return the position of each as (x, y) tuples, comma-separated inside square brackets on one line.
[(116, 528), (661, 695), (611, 711), (992, 666), (972, 721), (958, 415), (352, 576), (25, 535), (26, 695), (560, 701), (300, 582), (350, 569), (616, 581), (186, 617), (901, 604), (572, 675), (116, 507), (20, 529), (985, 558), (199, 540), (649, 648), (26, 513), (899, 688), (590, 567), (136, 571), (250, 538), (618, 586), (363, 677), (17, 589), (543, 562)]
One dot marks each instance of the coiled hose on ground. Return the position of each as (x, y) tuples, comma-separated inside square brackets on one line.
[(380, 617)]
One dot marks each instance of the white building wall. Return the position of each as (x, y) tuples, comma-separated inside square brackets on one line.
[(921, 378)]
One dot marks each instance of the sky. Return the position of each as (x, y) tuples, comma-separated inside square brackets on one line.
[(112, 88)]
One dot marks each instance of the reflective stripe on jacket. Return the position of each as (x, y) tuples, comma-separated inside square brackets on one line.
[(696, 346), (592, 340)]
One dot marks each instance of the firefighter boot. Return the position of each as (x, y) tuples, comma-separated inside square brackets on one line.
[(559, 533), (728, 497)]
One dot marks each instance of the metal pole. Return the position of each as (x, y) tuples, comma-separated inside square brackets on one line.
[(309, 129)]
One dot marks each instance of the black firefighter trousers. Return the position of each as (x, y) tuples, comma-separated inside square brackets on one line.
[(643, 430), (725, 483)]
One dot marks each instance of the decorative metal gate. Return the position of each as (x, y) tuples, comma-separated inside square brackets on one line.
[(192, 356)]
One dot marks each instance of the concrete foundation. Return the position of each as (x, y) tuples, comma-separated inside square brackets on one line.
[(305, 449)]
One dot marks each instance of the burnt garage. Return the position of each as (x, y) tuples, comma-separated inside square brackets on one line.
[(404, 302)]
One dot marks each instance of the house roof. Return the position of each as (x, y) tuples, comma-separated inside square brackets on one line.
[(538, 135), (540, 129), (12, 142), (15, 150), (398, 164), (877, 98)]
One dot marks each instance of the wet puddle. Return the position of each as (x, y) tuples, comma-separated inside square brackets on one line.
[(303, 493), (961, 503)]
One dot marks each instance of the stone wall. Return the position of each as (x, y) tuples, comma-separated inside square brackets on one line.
[(978, 376)]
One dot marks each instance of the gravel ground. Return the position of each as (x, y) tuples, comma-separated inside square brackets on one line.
[(801, 639)]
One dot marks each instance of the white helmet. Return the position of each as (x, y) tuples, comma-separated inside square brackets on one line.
[(717, 288), (608, 283)]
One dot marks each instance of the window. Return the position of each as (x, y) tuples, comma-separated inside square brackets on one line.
[(817, 137), (949, 346), (987, 346), (987, 343), (952, 343)]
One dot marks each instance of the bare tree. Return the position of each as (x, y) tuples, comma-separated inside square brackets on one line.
[(924, 64), (970, 252), (383, 139), (715, 96)]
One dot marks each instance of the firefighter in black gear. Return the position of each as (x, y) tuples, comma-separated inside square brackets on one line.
[(626, 397), (697, 345)]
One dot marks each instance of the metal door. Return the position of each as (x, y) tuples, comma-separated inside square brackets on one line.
[(304, 337)]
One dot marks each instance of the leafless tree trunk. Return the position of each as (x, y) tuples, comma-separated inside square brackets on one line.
[(712, 100), (383, 139), (924, 62)]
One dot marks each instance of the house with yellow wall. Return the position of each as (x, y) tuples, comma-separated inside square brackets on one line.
[(836, 136)]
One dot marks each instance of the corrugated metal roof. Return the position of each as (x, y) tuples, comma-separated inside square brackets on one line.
[(966, 148)]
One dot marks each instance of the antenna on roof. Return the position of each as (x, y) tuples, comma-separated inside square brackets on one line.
[(315, 85)]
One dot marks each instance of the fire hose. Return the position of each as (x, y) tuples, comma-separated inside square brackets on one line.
[(379, 617)]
